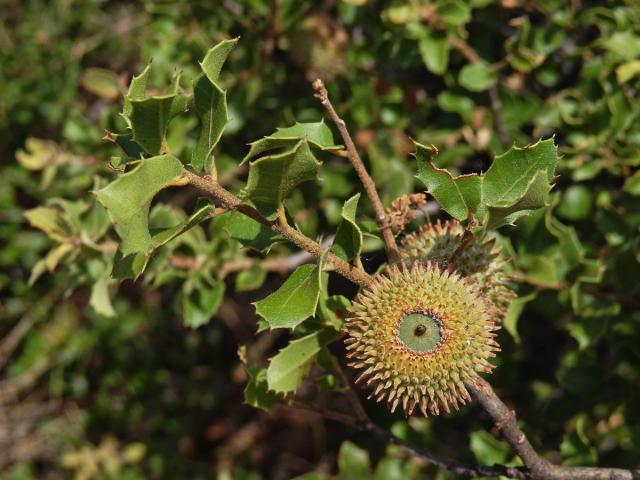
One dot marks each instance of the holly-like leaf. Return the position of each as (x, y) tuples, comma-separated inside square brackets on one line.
[(257, 393), (149, 121), (211, 106), (291, 364), (129, 197), (133, 265), (510, 174), (214, 59), (204, 210), (535, 196), (347, 243), (517, 182), (457, 195), (137, 91), (210, 102), (295, 301), (318, 134), (126, 143), (273, 177), (249, 232)]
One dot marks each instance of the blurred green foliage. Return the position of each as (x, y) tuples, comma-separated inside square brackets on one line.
[(97, 360)]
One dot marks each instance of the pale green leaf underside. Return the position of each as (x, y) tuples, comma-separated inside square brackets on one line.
[(129, 197), (295, 301)]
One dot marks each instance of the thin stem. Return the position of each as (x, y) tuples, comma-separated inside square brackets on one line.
[(229, 201), (351, 393), (363, 422), (536, 467), (467, 237), (455, 467), (365, 178)]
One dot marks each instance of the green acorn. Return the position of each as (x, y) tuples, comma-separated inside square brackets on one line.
[(481, 259), (419, 334)]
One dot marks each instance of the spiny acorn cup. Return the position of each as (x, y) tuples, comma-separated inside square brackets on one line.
[(419, 334), (481, 259)]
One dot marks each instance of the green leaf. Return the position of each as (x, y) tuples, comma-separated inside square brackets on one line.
[(129, 197), (211, 106), (137, 91), (511, 173), (125, 142), (627, 71), (318, 134), (454, 12), (347, 243), (514, 311), (204, 210), (249, 232), (50, 221), (535, 196), (214, 59), (457, 195), (37, 154), (291, 364), (477, 76), (210, 102), (133, 265), (488, 449), (101, 82), (632, 184), (201, 301), (273, 177), (149, 121), (434, 48), (516, 183), (575, 203), (295, 301), (130, 266), (100, 300), (353, 462), (257, 393), (250, 279)]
